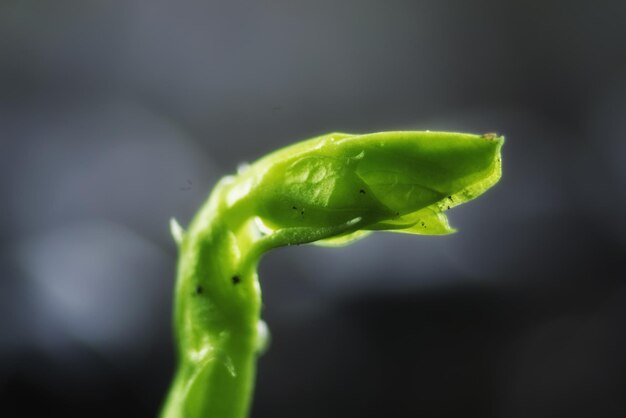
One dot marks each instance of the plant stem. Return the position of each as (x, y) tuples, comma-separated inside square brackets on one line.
[(217, 309)]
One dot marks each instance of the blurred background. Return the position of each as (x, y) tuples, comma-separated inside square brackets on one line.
[(116, 115)]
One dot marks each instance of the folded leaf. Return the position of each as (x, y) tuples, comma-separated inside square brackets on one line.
[(392, 181)]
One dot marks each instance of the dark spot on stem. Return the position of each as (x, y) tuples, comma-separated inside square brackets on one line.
[(236, 279), (294, 208), (448, 207), (199, 290), (423, 224), (450, 197), (362, 191), (302, 212)]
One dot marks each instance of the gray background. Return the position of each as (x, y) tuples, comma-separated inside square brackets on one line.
[(116, 115)]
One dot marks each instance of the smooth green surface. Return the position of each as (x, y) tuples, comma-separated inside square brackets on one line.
[(330, 190)]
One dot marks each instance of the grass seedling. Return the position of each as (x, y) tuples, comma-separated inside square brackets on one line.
[(329, 190)]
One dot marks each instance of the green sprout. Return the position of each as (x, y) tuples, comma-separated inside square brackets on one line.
[(330, 190)]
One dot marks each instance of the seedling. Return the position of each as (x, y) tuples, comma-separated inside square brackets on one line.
[(329, 190)]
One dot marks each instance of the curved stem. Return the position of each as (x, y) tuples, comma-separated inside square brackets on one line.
[(217, 309)]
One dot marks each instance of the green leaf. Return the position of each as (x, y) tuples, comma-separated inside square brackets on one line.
[(341, 240), (427, 221), (396, 181)]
